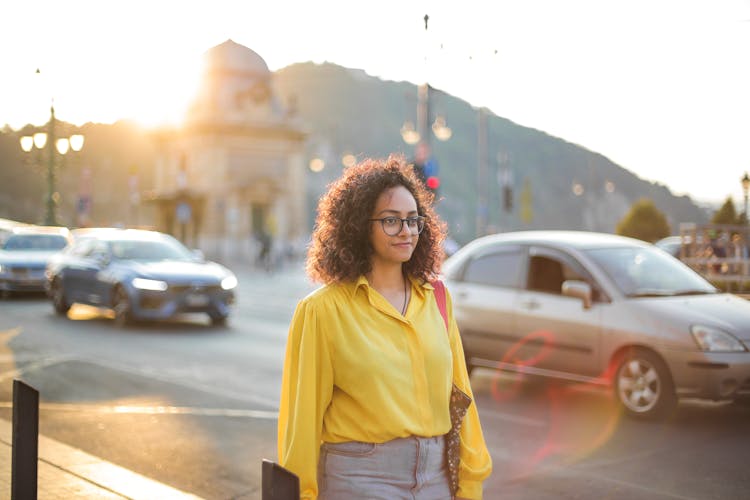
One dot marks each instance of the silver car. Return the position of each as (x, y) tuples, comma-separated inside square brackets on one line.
[(24, 255), (602, 309)]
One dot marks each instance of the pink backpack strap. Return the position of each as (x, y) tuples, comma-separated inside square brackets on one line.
[(440, 299)]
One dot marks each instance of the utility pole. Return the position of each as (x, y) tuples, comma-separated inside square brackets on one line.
[(482, 185)]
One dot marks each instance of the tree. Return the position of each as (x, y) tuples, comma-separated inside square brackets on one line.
[(644, 221), (727, 214)]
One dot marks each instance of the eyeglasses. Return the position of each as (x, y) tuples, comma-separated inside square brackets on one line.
[(394, 225)]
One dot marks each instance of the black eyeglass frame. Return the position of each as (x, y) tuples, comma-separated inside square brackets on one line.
[(418, 219)]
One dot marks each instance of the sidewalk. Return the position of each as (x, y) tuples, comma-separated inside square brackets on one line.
[(65, 472)]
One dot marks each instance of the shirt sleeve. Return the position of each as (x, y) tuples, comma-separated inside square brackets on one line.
[(476, 464), (306, 388)]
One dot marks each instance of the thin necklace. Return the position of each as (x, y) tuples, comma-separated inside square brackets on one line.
[(403, 309)]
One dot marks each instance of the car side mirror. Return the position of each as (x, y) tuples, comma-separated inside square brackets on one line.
[(579, 289), (102, 259)]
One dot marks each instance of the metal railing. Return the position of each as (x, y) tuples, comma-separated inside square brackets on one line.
[(719, 252)]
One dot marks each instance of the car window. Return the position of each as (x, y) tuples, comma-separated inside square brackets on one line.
[(98, 249), (43, 242), (550, 268), (147, 250), (501, 269), (546, 275), (643, 272), (81, 247)]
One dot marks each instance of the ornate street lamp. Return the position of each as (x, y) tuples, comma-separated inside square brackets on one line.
[(440, 129), (420, 134), (47, 139)]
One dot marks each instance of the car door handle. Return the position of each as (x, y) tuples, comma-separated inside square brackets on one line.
[(531, 304)]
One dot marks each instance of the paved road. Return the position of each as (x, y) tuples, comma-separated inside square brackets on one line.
[(193, 406)]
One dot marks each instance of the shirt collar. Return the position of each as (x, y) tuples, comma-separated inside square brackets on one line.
[(421, 286)]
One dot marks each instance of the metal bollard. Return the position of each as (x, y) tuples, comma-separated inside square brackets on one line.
[(25, 442)]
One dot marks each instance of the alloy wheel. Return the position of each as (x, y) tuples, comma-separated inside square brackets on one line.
[(644, 386)]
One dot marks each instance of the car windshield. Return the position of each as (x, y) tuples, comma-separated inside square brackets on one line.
[(150, 250), (648, 272), (40, 242)]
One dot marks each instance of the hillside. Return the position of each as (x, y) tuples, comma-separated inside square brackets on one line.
[(349, 111)]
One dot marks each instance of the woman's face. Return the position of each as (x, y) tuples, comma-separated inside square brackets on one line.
[(396, 249)]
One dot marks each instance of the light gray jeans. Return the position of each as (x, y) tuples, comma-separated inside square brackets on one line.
[(410, 468)]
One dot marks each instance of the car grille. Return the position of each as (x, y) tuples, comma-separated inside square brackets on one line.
[(152, 301), (194, 288)]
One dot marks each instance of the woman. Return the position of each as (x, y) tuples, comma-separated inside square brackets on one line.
[(369, 367)]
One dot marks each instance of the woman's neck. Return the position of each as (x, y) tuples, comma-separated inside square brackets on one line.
[(386, 278)]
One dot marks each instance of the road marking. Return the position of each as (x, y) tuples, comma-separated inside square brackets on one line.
[(153, 410), (208, 388), (211, 389), (42, 363)]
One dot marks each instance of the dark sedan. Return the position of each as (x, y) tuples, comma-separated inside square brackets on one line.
[(140, 275)]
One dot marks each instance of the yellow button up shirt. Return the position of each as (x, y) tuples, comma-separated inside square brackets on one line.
[(357, 370)]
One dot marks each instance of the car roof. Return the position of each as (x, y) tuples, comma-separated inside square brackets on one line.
[(559, 238), (117, 234), (62, 231)]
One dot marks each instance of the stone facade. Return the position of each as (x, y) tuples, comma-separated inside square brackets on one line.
[(233, 176)]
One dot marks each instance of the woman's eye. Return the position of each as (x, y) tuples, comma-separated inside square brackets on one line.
[(390, 221)]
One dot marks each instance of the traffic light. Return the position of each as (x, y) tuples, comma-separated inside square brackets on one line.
[(432, 181), (427, 173)]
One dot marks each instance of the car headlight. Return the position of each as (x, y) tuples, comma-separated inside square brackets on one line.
[(144, 284), (714, 340), (229, 282)]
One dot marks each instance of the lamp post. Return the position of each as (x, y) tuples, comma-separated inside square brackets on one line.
[(51, 142), (420, 136), (745, 188)]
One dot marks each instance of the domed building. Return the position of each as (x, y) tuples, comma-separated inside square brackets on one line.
[(232, 178)]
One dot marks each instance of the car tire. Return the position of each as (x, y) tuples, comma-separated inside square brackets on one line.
[(218, 320), (59, 300), (643, 385), (122, 307)]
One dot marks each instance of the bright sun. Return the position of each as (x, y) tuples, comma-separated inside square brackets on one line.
[(142, 83)]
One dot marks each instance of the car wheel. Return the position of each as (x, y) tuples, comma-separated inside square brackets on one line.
[(218, 319), (643, 385), (59, 301), (122, 307)]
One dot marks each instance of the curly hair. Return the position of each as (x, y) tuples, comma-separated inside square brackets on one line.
[(340, 249)]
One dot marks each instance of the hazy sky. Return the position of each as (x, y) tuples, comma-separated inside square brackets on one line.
[(661, 87)]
